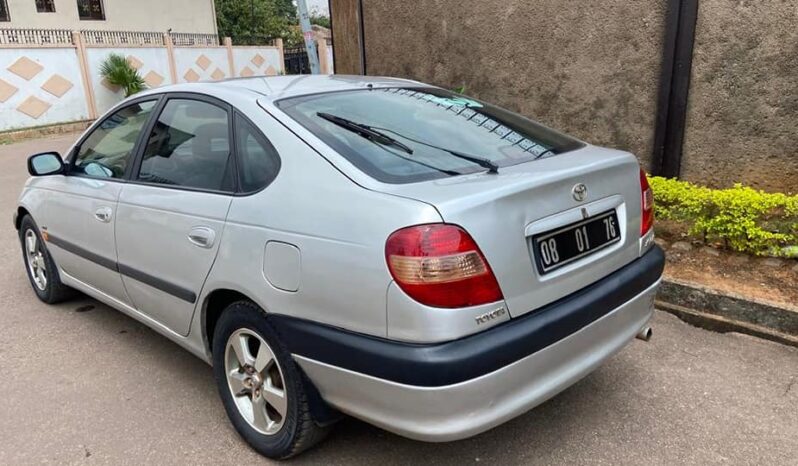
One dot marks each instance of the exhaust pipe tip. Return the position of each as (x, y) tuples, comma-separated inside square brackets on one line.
[(645, 334)]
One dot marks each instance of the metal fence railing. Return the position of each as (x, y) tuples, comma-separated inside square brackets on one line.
[(95, 37), (296, 60), (19, 36), (253, 40), (25, 36), (190, 39)]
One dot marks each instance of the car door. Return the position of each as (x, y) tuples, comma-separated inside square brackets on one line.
[(171, 216), (81, 206)]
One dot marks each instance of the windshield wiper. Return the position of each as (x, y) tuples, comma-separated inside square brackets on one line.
[(365, 131), (376, 135), (481, 161)]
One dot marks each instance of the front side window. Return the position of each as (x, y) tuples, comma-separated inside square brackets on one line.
[(258, 162), (4, 16), (189, 147), (45, 6), (91, 10), (402, 135), (106, 152)]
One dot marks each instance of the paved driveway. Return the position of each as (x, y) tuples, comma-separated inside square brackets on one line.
[(81, 383)]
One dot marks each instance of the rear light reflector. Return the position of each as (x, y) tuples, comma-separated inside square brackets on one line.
[(647, 204), (440, 265)]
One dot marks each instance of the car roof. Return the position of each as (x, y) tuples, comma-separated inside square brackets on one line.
[(279, 87)]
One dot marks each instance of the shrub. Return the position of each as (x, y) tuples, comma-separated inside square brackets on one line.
[(117, 71), (743, 219)]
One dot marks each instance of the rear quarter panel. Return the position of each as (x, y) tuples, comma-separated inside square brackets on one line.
[(339, 228)]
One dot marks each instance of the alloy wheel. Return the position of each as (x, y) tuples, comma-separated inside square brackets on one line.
[(256, 381), (35, 259)]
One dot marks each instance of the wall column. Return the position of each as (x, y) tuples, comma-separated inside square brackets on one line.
[(228, 42), (85, 74), (677, 62), (324, 65), (170, 53), (347, 35), (279, 44)]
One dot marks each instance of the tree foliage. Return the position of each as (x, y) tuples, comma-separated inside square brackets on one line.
[(256, 21), (319, 19)]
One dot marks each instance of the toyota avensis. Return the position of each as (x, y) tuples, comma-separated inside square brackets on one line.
[(430, 263)]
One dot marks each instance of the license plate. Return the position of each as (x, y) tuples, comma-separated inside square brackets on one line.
[(556, 248)]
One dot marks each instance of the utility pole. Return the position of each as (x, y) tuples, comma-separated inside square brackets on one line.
[(307, 32), (252, 22)]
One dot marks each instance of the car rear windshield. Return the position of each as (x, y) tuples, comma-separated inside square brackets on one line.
[(423, 126)]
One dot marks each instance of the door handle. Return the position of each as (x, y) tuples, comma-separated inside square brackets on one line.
[(203, 237), (103, 214)]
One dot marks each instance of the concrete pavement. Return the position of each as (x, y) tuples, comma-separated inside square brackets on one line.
[(83, 384)]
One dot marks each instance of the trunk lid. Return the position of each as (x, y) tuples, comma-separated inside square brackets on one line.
[(502, 213)]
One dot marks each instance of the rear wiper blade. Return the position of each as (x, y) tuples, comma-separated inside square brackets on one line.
[(365, 130), (483, 162)]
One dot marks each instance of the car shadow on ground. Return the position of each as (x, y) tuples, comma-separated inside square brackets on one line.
[(542, 428)]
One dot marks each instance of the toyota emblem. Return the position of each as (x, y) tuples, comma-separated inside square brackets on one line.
[(579, 192)]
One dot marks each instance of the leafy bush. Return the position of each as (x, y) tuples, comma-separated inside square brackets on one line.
[(118, 72), (320, 19), (742, 218)]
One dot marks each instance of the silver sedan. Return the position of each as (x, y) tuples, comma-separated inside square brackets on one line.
[(422, 260)]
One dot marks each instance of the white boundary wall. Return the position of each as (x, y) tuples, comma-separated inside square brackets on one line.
[(40, 87), (50, 83)]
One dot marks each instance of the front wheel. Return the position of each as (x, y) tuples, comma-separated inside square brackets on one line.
[(260, 385), (41, 268)]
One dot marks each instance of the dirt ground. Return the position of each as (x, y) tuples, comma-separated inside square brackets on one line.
[(760, 278)]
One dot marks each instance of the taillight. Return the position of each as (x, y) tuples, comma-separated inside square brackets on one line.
[(647, 204), (440, 265)]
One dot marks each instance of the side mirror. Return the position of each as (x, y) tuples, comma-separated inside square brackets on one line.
[(46, 163)]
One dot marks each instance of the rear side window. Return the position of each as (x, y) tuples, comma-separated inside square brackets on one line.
[(106, 152), (425, 125), (189, 146), (258, 162)]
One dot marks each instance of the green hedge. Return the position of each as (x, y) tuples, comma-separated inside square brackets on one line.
[(741, 218)]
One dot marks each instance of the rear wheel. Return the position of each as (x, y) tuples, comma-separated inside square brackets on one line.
[(42, 271), (261, 387)]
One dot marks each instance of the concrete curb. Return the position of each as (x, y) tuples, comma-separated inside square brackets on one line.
[(10, 137), (728, 312)]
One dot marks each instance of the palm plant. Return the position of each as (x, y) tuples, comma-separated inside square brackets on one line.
[(118, 72)]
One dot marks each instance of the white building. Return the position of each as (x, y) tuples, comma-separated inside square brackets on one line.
[(188, 16)]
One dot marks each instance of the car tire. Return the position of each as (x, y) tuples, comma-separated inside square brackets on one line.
[(39, 265), (287, 428)]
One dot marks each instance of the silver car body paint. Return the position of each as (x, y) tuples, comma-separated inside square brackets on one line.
[(337, 218), (452, 412), (153, 225), (69, 205)]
